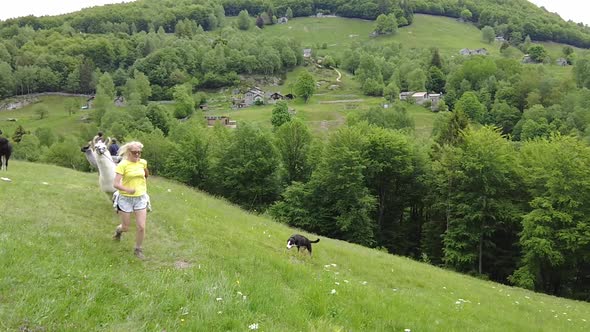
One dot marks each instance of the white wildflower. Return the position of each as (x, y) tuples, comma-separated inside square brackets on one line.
[(220, 312), (219, 299), (169, 190), (334, 265), (253, 326), (395, 289), (244, 297), (346, 281), (333, 291), (407, 330), (240, 293), (337, 283), (364, 282)]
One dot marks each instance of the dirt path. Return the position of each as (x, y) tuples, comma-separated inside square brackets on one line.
[(339, 75)]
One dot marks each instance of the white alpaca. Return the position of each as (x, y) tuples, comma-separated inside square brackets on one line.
[(106, 166)]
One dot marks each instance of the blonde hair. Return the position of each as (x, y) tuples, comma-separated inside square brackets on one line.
[(125, 149)]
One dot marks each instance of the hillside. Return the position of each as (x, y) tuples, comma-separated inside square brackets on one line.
[(213, 267)]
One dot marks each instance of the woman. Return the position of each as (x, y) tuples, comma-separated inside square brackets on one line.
[(130, 179)]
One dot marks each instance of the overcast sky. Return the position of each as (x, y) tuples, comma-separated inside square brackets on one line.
[(576, 10), (17, 8)]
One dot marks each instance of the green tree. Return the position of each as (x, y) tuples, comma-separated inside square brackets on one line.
[(42, 111), (159, 117), (448, 127), (436, 80), (537, 53), (554, 237), (243, 20), (72, 105), (28, 149), (504, 116), (391, 92), (248, 170), (470, 105), (19, 132), (189, 158), (390, 170), (339, 189), (289, 13), (305, 86), (488, 34), (184, 104), (385, 24), (482, 208), (280, 114), (46, 136), (436, 60), (294, 146), (7, 83), (466, 15)]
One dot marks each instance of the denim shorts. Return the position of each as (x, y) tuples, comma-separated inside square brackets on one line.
[(129, 204)]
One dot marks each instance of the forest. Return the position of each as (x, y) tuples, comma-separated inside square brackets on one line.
[(500, 190)]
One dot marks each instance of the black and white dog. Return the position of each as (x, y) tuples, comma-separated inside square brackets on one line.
[(300, 241)]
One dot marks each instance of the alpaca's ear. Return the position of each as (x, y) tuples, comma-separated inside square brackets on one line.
[(108, 141)]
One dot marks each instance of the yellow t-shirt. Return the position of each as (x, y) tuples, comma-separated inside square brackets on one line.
[(133, 176)]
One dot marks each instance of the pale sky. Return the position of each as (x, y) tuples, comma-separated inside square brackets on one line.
[(18, 8), (575, 10)]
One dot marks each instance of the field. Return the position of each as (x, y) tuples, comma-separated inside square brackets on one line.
[(213, 267)]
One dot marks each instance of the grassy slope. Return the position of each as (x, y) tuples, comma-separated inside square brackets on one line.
[(57, 119), (60, 271)]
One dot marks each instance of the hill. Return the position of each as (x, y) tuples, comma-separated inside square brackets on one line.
[(214, 267)]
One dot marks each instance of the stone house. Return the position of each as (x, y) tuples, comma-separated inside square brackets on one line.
[(224, 120), (405, 95), (420, 97), (253, 96)]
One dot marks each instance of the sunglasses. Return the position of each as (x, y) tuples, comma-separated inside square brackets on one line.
[(135, 152)]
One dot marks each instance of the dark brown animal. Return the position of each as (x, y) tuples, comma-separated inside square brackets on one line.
[(5, 152)]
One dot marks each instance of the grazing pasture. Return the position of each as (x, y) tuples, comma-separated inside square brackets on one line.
[(211, 266)]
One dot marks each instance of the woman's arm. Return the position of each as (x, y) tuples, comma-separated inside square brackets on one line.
[(118, 185)]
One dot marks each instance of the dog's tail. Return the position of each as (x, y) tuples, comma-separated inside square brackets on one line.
[(316, 241)]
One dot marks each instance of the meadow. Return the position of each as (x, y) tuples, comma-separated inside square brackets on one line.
[(213, 267)]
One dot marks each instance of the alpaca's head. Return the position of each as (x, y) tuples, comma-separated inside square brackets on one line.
[(100, 148)]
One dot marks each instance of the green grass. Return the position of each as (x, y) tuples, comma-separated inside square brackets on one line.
[(57, 118), (60, 271)]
